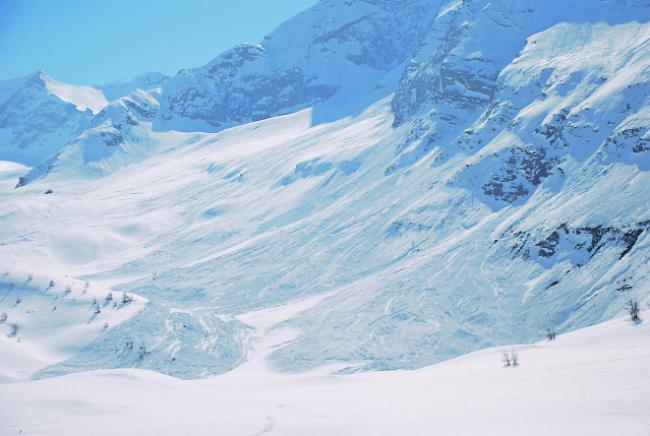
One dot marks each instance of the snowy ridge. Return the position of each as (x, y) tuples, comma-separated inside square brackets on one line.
[(83, 97)]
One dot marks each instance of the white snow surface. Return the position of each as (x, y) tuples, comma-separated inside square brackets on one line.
[(589, 382), (83, 97)]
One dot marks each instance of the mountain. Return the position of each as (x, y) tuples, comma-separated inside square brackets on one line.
[(344, 53), (38, 115), (121, 88), (437, 178)]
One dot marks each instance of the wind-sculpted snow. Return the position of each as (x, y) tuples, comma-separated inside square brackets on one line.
[(470, 177)]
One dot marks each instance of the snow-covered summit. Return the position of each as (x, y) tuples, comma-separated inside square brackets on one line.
[(38, 115)]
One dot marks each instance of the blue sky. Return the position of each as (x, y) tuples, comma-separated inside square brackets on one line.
[(98, 41)]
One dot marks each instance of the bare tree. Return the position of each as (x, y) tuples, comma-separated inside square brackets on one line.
[(511, 358), (550, 334), (633, 309), (506, 359), (126, 298), (515, 357)]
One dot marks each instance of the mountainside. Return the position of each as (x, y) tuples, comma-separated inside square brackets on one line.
[(344, 53), (442, 176)]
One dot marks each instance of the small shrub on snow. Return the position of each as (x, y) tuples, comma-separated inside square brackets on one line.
[(633, 310), (13, 329), (550, 334), (510, 358)]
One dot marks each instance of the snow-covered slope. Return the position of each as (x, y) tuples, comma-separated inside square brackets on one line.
[(590, 382), (443, 191), (46, 318)]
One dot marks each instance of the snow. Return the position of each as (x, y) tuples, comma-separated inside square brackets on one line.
[(370, 188), (56, 318), (183, 219), (8, 87), (83, 97), (9, 173), (39, 115), (121, 88), (588, 382)]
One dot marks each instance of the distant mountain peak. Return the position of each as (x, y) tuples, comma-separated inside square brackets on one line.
[(120, 88)]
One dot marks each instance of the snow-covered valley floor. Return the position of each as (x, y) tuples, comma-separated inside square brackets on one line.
[(592, 381)]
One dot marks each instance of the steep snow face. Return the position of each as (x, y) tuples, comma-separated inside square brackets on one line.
[(335, 48), (38, 115), (144, 82)]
